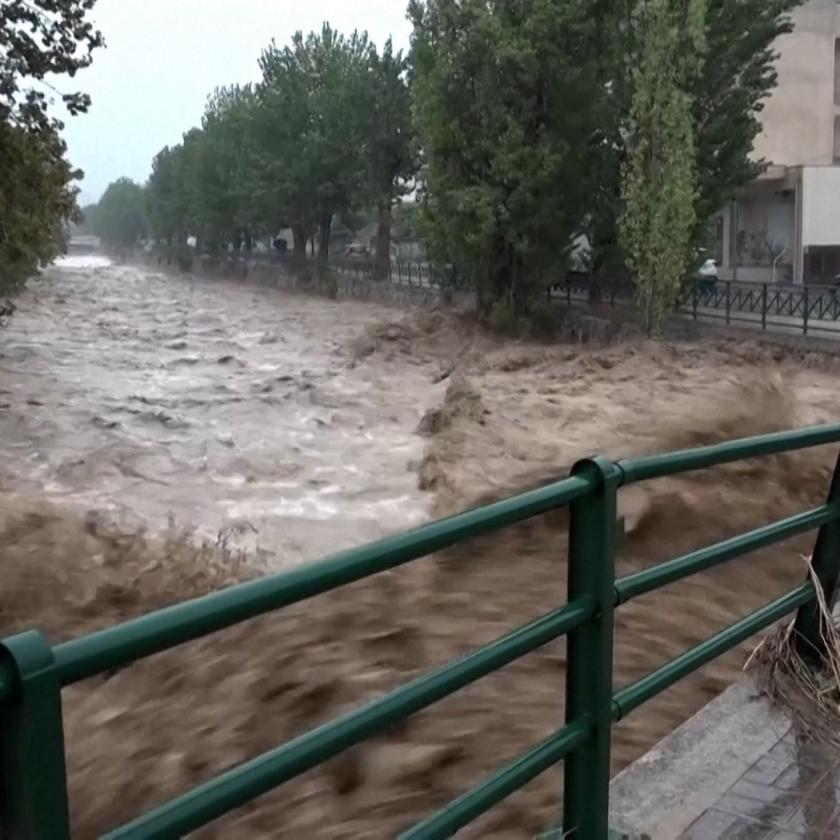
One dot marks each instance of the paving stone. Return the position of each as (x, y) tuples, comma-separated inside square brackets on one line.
[(768, 769), (788, 788), (773, 809), (710, 824)]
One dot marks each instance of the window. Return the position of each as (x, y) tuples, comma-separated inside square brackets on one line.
[(837, 71)]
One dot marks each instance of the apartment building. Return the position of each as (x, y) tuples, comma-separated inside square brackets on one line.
[(785, 226)]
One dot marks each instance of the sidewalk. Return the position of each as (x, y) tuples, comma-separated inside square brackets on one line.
[(790, 792), (736, 770)]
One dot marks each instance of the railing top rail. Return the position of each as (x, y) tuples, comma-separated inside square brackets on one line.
[(688, 460), (138, 638)]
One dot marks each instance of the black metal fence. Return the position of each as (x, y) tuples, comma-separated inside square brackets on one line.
[(809, 309), (404, 273)]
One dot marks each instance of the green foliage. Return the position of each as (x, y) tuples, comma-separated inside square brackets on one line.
[(40, 38), (387, 125), (313, 121), (37, 196), (35, 201), (502, 319), (220, 180), (659, 180), (166, 201), (326, 133), (504, 132), (521, 124), (120, 217), (390, 155), (728, 95)]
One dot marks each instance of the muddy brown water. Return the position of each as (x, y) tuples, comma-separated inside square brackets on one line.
[(221, 405), (121, 408)]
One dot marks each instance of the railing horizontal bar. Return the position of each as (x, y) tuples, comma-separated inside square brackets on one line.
[(260, 775), (648, 580), (118, 646), (7, 682), (658, 466), (500, 785), (633, 696)]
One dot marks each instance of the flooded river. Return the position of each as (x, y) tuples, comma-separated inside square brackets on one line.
[(226, 407), (291, 424)]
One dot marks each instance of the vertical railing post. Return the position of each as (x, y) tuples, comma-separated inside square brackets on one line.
[(728, 301), (592, 538), (33, 778), (409, 274), (805, 306), (763, 306), (695, 293), (810, 642)]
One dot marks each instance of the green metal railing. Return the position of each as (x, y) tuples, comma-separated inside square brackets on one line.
[(33, 784)]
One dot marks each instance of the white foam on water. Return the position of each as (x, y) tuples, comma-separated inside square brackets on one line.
[(75, 262)]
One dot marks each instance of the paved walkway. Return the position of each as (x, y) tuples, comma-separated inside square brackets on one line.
[(776, 324), (792, 791), (735, 771)]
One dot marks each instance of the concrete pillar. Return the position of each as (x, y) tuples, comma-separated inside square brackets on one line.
[(798, 246)]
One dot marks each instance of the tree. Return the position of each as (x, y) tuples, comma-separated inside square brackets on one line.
[(40, 38), (120, 218), (35, 201), (729, 93), (504, 132), (37, 197), (659, 184), (175, 192), (390, 160), (166, 207), (311, 130), (224, 173), (727, 97)]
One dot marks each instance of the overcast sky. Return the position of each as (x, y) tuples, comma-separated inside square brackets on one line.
[(164, 56)]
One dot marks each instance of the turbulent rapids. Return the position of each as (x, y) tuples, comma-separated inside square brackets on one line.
[(164, 437)]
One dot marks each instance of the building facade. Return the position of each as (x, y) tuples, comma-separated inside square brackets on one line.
[(785, 226)]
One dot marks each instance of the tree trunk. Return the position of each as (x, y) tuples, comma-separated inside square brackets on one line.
[(503, 275), (324, 228), (299, 236), (383, 241)]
